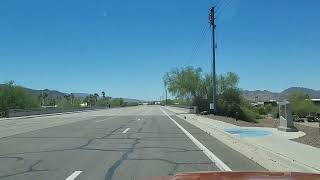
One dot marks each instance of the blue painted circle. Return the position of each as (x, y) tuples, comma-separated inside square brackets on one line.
[(248, 132)]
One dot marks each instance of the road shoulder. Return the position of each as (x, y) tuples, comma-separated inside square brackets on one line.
[(233, 159), (268, 158)]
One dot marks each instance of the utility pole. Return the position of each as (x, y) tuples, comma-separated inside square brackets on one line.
[(166, 97), (166, 92), (213, 106)]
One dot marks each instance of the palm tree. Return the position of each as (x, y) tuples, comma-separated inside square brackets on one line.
[(72, 97), (67, 97), (93, 100), (96, 95), (41, 98), (45, 98), (103, 94)]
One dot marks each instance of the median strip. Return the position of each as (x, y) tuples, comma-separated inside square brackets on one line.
[(220, 164)]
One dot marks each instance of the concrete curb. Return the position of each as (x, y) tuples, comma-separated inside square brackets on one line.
[(264, 157)]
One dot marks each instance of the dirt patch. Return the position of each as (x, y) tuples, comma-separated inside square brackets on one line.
[(311, 138), (265, 122)]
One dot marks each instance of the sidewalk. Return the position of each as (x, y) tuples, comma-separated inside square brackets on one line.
[(274, 151)]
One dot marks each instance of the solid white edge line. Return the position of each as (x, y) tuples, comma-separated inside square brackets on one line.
[(220, 164), (126, 130), (74, 175)]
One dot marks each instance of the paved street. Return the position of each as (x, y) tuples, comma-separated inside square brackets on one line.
[(124, 143)]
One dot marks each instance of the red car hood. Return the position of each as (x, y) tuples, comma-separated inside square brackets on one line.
[(241, 176)]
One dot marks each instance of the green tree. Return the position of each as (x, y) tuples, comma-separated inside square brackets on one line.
[(15, 97), (40, 97), (64, 103), (226, 82), (229, 102), (91, 100), (301, 104), (191, 84), (104, 101), (185, 83)]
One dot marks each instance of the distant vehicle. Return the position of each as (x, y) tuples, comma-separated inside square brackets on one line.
[(296, 118), (84, 104), (312, 117), (318, 117)]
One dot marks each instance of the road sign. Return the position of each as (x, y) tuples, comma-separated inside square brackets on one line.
[(211, 105)]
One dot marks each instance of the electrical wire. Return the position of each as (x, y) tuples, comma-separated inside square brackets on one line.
[(198, 43), (218, 4), (218, 13)]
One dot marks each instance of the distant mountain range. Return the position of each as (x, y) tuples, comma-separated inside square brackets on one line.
[(55, 94), (250, 95), (51, 93), (267, 95), (80, 95)]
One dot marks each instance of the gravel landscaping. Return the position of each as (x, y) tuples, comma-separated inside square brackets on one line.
[(311, 138)]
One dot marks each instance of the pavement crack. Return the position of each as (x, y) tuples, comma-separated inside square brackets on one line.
[(81, 147), (12, 157), (167, 147), (31, 169), (175, 165), (106, 150), (113, 131), (113, 168)]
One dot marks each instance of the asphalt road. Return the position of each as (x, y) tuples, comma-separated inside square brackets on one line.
[(125, 143)]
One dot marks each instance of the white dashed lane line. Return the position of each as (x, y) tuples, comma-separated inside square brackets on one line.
[(126, 130), (104, 119), (74, 175)]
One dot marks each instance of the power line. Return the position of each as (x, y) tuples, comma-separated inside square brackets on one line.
[(223, 7), (218, 4), (218, 14), (198, 43)]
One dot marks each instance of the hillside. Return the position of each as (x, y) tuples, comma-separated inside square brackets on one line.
[(312, 93), (55, 94), (261, 95), (51, 93), (267, 95), (80, 95)]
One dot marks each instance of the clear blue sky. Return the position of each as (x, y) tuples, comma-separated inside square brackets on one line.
[(124, 47)]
